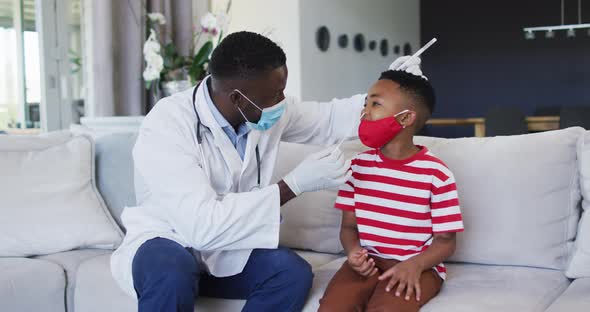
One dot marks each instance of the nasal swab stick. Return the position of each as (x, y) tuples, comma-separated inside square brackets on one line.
[(342, 141), (339, 143), (419, 52)]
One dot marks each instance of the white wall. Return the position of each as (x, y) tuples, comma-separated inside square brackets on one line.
[(316, 75), (281, 19), (342, 72)]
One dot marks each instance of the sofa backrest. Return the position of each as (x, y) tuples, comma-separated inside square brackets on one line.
[(520, 198), (114, 171), (520, 195), (310, 221)]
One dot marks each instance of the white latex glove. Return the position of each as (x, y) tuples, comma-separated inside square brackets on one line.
[(412, 67), (321, 170)]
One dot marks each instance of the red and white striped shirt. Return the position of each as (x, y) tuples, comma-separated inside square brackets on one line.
[(400, 204)]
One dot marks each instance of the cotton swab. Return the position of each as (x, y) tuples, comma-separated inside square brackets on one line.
[(419, 52), (342, 141), (338, 145)]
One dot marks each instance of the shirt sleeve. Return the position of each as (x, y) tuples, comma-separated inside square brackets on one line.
[(345, 199), (444, 206)]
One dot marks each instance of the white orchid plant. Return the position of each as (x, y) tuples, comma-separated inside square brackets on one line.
[(164, 63)]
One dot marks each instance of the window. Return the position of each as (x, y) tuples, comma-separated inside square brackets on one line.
[(41, 81), (20, 76)]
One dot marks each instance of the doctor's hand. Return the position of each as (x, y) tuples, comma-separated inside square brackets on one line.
[(412, 67), (322, 170)]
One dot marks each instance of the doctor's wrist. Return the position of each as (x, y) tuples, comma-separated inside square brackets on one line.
[(292, 184), (285, 192)]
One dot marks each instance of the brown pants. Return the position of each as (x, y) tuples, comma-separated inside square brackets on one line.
[(349, 291)]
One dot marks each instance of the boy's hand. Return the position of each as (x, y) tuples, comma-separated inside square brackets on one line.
[(406, 275), (359, 260)]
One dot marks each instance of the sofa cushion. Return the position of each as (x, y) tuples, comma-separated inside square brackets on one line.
[(49, 198), (498, 288), (97, 291), (114, 171), (475, 288), (575, 298), (317, 259), (69, 261), (579, 265), (31, 285), (519, 196)]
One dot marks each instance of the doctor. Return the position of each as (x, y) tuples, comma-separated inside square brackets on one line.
[(207, 217)]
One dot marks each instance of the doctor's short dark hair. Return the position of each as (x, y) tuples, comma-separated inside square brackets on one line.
[(417, 88), (244, 55)]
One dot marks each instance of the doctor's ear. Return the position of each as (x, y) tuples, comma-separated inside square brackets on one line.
[(236, 99)]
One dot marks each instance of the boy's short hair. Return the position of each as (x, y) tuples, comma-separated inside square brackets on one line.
[(417, 88)]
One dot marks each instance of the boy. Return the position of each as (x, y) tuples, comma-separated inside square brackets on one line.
[(400, 209)]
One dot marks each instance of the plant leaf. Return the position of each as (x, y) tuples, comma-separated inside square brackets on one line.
[(178, 61), (203, 55), (168, 63), (170, 50), (195, 73)]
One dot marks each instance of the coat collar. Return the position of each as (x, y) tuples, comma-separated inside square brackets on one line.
[(220, 139)]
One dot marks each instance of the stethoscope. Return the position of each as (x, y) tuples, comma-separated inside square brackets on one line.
[(200, 141)]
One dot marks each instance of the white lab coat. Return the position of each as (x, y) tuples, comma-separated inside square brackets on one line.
[(220, 216)]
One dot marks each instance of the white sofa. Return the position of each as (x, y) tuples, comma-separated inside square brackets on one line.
[(524, 247)]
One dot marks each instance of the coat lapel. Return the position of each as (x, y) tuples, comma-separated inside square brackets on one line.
[(220, 139)]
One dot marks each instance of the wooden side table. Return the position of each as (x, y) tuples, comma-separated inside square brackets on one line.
[(535, 123)]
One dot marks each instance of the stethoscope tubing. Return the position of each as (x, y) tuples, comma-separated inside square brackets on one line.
[(200, 140)]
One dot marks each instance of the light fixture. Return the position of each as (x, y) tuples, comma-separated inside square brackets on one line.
[(529, 35), (571, 33), (550, 34), (529, 32)]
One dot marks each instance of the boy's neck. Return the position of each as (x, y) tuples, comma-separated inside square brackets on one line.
[(400, 148)]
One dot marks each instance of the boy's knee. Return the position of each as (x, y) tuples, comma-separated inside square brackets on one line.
[(340, 303)]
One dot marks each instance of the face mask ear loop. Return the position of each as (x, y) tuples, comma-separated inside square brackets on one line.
[(239, 110), (242, 94), (404, 111)]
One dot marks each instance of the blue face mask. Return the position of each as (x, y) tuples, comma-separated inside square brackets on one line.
[(269, 116)]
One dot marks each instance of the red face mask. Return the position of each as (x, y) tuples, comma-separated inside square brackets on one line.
[(377, 133)]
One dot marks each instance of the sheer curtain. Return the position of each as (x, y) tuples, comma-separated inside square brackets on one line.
[(115, 33)]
